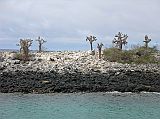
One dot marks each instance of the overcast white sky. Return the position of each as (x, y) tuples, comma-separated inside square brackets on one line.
[(66, 23)]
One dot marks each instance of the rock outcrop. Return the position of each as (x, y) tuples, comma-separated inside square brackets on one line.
[(52, 72)]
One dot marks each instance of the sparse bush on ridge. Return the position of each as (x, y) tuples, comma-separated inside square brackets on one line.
[(112, 54), (20, 56), (139, 55)]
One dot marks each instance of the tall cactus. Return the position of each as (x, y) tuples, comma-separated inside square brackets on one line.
[(99, 46), (120, 40), (91, 39), (40, 42), (24, 47), (146, 41)]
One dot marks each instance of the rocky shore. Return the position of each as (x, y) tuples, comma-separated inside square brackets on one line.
[(69, 72)]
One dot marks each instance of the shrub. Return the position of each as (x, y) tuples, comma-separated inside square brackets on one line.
[(127, 56), (142, 51), (20, 56), (112, 54), (140, 55), (145, 55), (145, 59)]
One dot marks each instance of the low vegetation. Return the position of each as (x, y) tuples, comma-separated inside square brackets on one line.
[(20, 56), (140, 55)]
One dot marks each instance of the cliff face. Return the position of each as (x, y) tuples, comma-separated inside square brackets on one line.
[(75, 72)]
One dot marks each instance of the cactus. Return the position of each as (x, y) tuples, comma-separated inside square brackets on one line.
[(99, 46), (91, 39), (146, 41), (40, 41), (120, 40), (21, 45), (24, 48)]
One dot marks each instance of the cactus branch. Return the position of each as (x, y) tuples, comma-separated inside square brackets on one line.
[(40, 42), (91, 39), (24, 48), (120, 40), (146, 41)]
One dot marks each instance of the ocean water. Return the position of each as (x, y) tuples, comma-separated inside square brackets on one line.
[(80, 106)]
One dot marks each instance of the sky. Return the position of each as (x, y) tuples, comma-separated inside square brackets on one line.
[(64, 24)]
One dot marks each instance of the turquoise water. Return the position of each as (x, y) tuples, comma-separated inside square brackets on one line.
[(80, 106)]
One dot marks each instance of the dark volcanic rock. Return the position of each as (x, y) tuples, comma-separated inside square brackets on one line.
[(51, 82)]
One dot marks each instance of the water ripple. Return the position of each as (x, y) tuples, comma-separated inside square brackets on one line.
[(80, 106)]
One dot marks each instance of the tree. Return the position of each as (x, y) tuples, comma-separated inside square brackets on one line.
[(120, 40), (40, 41), (91, 39), (146, 41), (99, 46), (24, 47)]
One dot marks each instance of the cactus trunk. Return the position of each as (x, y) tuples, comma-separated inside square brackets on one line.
[(40, 47), (100, 54), (91, 46), (121, 46), (26, 53)]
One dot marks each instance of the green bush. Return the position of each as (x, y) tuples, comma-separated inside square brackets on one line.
[(112, 54), (142, 51), (18, 56), (127, 56), (139, 55), (145, 55), (145, 59)]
